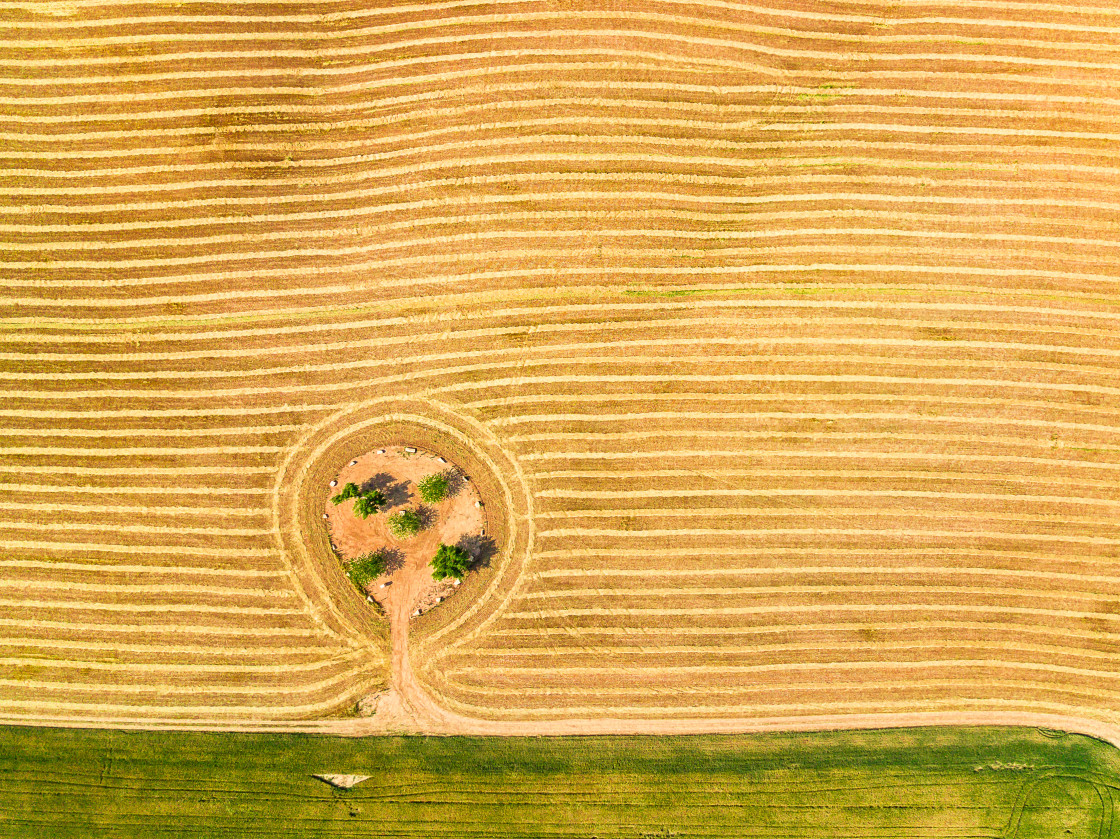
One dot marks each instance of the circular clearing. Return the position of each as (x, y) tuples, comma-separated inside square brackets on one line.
[(377, 424), (393, 474)]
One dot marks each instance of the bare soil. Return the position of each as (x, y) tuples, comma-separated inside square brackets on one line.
[(407, 584)]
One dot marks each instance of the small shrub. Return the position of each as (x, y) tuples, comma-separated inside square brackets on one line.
[(450, 561), (369, 503), (433, 488), (363, 570), (406, 523), (349, 491)]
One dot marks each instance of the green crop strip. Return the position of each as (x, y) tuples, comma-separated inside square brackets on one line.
[(1012, 783)]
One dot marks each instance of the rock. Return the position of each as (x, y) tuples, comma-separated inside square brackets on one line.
[(342, 781), (334, 483)]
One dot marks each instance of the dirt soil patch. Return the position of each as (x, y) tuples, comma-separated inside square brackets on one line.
[(407, 583)]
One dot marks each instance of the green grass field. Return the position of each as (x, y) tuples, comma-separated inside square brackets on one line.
[(938, 782)]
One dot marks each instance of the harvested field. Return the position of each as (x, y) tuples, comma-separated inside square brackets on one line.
[(789, 334)]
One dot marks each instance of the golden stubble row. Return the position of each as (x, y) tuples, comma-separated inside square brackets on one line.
[(866, 462)]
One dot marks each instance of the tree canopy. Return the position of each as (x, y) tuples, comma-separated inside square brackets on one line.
[(434, 488), (365, 569), (450, 561), (369, 503), (349, 491), (405, 523)]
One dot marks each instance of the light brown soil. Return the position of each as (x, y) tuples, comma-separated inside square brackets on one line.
[(407, 584)]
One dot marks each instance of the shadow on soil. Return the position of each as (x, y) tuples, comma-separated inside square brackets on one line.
[(455, 482), (482, 548), (394, 559), (427, 515), (396, 492)]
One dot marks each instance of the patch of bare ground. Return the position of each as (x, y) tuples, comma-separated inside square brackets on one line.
[(407, 587)]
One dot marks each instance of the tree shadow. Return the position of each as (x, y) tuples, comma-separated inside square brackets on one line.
[(394, 559), (427, 516), (396, 492), (482, 548), (455, 482)]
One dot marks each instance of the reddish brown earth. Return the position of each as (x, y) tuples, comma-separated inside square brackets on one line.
[(407, 583)]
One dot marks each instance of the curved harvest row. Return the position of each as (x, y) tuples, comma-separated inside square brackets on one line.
[(799, 328)]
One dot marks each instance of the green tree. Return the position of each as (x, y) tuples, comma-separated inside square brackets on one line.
[(349, 491), (404, 523), (450, 561), (434, 488), (369, 503), (363, 570)]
